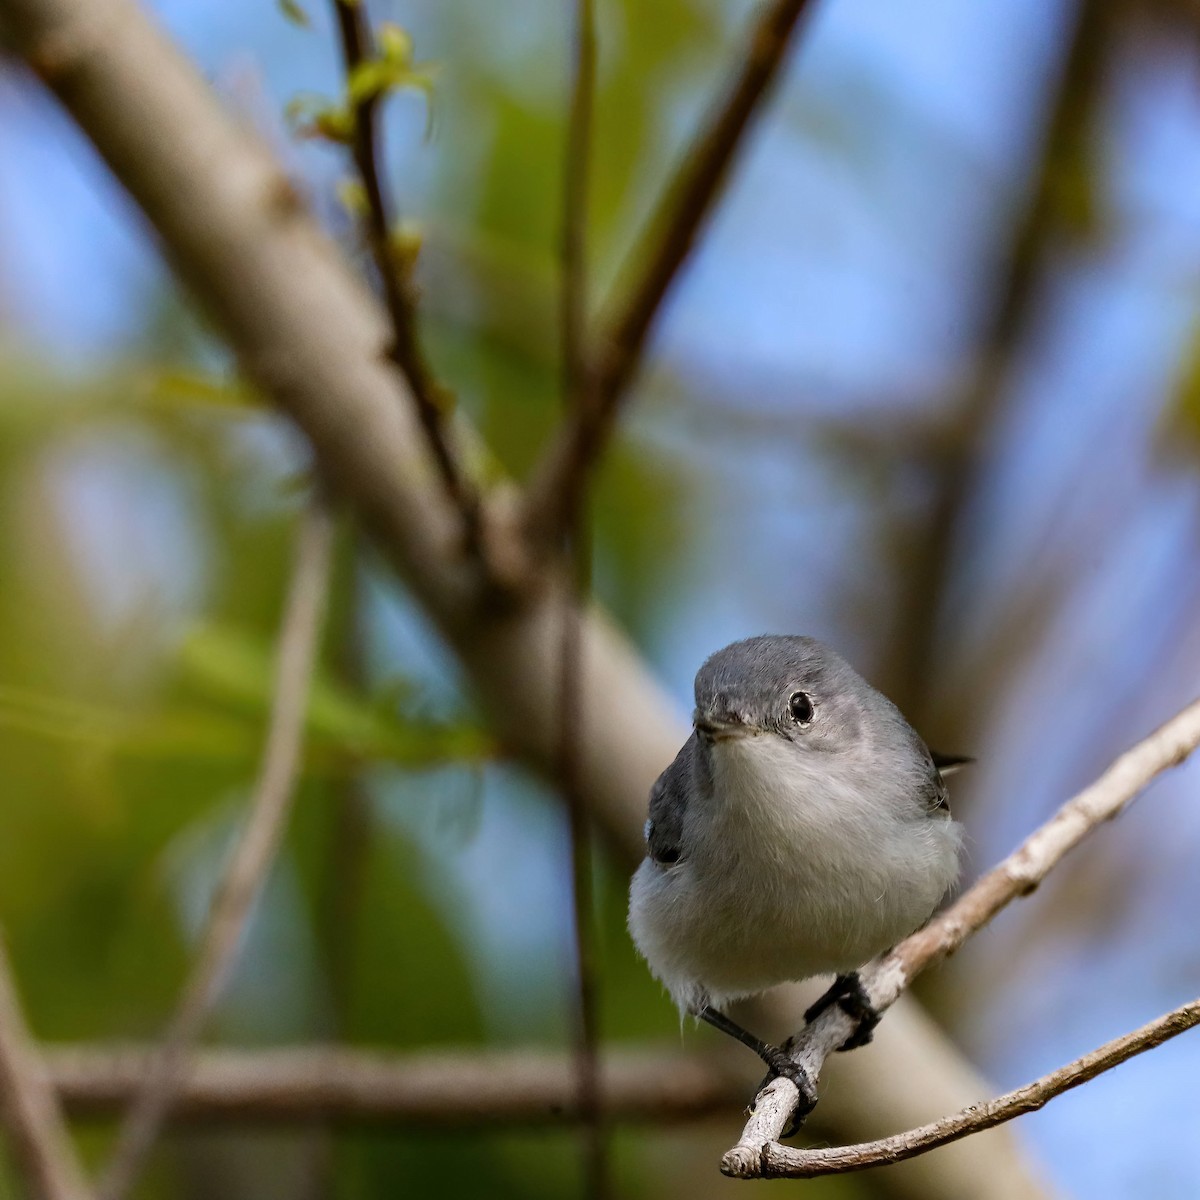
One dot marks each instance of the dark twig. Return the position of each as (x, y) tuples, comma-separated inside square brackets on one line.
[(395, 278), (37, 1132), (250, 861), (577, 398), (576, 178), (660, 252)]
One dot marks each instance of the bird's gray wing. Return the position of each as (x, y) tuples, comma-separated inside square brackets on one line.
[(937, 796), (943, 765), (668, 806)]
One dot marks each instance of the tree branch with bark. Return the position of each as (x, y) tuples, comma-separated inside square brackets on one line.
[(784, 1162)]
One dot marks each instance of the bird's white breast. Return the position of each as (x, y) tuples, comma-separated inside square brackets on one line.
[(797, 865)]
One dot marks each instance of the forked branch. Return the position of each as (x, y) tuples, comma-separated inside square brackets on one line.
[(786, 1161), (670, 235)]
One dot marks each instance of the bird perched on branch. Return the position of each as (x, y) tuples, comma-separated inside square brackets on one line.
[(802, 829)]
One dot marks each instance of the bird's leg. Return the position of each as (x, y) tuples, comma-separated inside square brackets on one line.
[(776, 1059), (848, 993)]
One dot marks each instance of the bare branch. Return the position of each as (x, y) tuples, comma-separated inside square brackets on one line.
[(661, 251), (574, 302), (785, 1161), (446, 1089), (38, 1133), (395, 276), (1018, 875), (252, 857)]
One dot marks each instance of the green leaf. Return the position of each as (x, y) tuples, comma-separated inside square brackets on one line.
[(312, 116), (395, 44), (294, 13), (1186, 409), (173, 387), (352, 196), (391, 69)]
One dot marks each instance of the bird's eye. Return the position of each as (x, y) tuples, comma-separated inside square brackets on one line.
[(801, 707)]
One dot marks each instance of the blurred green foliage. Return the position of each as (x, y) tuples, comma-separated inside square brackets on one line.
[(146, 527)]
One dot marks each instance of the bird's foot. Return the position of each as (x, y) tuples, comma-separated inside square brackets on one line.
[(782, 1064), (848, 993)]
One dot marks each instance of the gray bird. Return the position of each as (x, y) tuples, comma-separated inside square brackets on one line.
[(803, 829)]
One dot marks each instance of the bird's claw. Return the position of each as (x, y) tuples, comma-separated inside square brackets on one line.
[(851, 997), (786, 1067)]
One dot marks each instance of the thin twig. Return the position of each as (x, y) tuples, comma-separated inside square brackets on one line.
[(786, 1161), (358, 47), (1019, 874), (30, 1109), (577, 394), (251, 859), (661, 251), (346, 844), (350, 838)]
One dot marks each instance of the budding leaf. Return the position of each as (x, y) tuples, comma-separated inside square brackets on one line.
[(315, 117), (294, 13)]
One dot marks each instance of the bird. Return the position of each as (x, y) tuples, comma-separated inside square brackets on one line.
[(802, 829)]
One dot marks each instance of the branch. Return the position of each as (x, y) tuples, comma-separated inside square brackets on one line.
[(429, 396), (574, 303), (661, 252), (251, 860), (1018, 875), (38, 1133), (311, 338), (786, 1162), (447, 1090)]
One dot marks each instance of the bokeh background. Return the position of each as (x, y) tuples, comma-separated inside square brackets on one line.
[(929, 390)]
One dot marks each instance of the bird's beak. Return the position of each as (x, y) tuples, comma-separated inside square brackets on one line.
[(719, 727)]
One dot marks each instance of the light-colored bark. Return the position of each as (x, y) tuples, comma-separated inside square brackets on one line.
[(785, 1162)]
